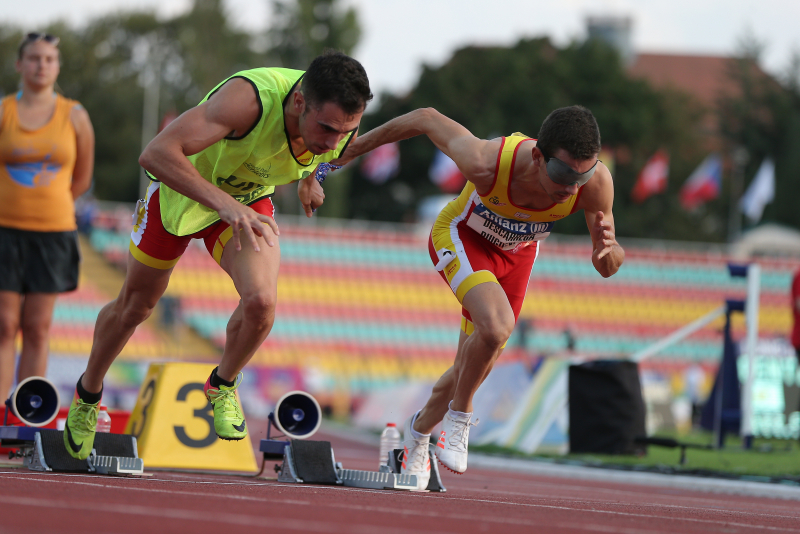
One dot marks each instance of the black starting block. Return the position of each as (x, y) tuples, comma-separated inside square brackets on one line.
[(42, 449), (313, 462), (309, 462)]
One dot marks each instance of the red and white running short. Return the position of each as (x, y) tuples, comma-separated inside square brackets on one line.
[(153, 246)]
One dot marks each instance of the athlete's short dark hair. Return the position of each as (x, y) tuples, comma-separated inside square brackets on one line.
[(574, 129), (336, 77)]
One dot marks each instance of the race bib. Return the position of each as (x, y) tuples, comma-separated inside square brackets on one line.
[(508, 234)]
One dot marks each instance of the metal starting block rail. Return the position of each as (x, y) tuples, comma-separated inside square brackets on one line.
[(43, 449), (115, 465), (383, 479), (313, 462)]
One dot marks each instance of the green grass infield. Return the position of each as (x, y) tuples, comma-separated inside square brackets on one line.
[(768, 460)]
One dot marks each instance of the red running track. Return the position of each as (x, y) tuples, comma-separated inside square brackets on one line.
[(478, 501)]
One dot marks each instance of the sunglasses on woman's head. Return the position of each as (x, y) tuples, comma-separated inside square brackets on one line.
[(46, 37)]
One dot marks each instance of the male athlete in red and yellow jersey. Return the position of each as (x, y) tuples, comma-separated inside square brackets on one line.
[(484, 244)]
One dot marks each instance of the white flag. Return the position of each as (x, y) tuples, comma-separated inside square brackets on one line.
[(760, 192)]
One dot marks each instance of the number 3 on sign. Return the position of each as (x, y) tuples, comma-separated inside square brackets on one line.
[(205, 413), (174, 423)]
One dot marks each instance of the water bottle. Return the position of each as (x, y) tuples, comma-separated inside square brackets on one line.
[(103, 420), (390, 440)]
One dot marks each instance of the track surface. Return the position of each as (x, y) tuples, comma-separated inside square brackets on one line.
[(478, 501)]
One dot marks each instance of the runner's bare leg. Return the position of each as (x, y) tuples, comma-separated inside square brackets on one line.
[(493, 320), (255, 276), (118, 319)]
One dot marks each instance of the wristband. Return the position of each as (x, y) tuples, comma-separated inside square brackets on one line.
[(323, 169)]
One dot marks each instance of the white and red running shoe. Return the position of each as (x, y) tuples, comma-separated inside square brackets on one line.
[(451, 449), (416, 458)]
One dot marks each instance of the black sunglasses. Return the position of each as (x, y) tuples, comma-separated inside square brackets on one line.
[(46, 37), (563, 174)]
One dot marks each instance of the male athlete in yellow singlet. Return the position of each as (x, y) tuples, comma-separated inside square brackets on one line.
[(484, 244), (214, 169)]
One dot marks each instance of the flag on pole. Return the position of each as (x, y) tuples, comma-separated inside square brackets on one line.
[(381, 164), (652, 178), (445, 173), (703, 184), (760, 192)]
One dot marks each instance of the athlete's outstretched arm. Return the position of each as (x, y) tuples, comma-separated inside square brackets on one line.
[(475, 157), (233, 109), (597, 201)]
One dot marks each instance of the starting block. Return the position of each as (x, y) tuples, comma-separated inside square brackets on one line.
[(35, 403), (435, 482), (309, 462), (297, 416), (383, 479), (313, 462), (43, 449)]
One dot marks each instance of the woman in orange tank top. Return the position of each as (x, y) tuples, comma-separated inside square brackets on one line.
[(46, 162)]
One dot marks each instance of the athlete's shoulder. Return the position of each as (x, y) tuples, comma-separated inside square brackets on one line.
[(604, 176), (512, 142), (3, 105), (6, 102), (272, 77), (75, 108), (78, 115), (66, 100), (598, 192)]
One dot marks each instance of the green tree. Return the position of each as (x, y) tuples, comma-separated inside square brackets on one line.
[(105, 66), (764, 118), (302, 29), (208, 49)]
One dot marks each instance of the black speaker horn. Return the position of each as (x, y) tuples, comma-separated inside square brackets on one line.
[(297, 414), (35, 401)]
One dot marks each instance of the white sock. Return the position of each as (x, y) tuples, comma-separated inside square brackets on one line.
[(414, 433), (455, 415)]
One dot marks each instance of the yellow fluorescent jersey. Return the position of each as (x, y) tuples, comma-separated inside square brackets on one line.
[(247, 167), (494, 216)]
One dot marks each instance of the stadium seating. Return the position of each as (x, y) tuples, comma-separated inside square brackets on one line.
[(365, 307)]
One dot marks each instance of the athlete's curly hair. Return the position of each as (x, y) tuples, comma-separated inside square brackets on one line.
[(336, 77), (574, 129)]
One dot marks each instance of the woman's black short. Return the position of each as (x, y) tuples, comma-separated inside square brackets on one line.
[(38, 262)]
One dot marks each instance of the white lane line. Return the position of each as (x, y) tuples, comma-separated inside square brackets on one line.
[(227, 519), (655, 491), (174, 477), (383, 510), (492, 501), (713, 505), (631, 514), (698, 484), (132, 478)]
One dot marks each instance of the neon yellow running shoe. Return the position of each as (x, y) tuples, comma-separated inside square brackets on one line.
[(228, 417), (79, 429)]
